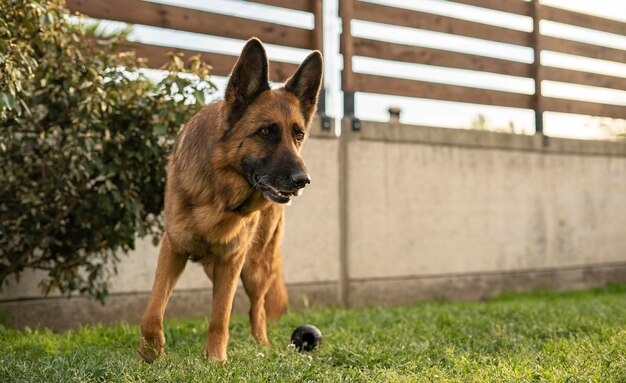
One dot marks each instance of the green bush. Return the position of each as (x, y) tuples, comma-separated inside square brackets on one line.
[(84, 137)]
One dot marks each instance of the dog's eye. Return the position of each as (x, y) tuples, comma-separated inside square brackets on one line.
[(299, 136), (267, 131)]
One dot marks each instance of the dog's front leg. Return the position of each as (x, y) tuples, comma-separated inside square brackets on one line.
[(169, 268), (225, 276), (256, 284)]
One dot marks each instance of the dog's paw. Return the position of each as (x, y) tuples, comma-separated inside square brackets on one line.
[(151, 347), (215, 355)]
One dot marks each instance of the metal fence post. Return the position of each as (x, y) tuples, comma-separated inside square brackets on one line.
[(346, 8), (317, 8), (537, 67)]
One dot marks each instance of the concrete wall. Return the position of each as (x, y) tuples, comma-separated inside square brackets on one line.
[(427, 205), (398, 213)]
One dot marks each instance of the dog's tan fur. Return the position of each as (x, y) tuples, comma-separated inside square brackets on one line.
[(215, 215)]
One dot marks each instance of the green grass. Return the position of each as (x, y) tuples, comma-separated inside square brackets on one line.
[(536, 337)]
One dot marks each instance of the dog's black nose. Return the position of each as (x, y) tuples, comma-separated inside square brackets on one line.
[(300, 179)]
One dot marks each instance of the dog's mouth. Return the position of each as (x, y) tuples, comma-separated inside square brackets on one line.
[(273, 194)]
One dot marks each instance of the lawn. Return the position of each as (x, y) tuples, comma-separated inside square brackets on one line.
[(541, 336)]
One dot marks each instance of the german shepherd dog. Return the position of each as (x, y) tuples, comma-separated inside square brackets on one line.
[(233, 167)]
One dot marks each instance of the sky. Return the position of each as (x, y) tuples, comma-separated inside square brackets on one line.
[(422, 111)]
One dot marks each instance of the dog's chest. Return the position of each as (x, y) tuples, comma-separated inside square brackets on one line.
[(207, 246)]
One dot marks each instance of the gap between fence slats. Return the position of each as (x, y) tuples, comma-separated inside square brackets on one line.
[(298, 5), (510, 6)]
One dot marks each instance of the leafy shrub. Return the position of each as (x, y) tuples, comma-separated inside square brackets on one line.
[(84, 137)]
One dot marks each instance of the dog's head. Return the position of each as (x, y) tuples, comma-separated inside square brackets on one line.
[(266, 128)]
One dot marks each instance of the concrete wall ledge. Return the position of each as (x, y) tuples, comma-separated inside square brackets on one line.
[(66, 313), (403, 133), (62, 313), (479, 286)]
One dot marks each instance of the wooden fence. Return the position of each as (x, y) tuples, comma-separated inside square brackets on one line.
[(209, 23), (359, 82)]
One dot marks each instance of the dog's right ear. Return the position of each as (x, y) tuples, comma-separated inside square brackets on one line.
[(248, 79)]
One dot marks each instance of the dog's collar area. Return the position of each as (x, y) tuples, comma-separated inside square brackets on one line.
[(244, 208)]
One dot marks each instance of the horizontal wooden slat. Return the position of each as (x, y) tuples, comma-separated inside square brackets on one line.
[(422, 20), (222, 64), (583, 20), (583, 107), (299, 5), (583, 78), (510, 6), (438, 57), (412, 88), (191, 20), (582, 49)]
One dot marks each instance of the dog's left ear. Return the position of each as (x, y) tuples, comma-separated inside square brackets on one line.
[(306, 82), (248, 79)]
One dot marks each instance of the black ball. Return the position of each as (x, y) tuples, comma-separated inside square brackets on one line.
[(306, 337)]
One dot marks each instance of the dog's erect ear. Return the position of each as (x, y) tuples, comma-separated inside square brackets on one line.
[(248, 79), (306, 82)]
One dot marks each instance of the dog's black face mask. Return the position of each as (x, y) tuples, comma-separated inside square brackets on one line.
[(276, 169)]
